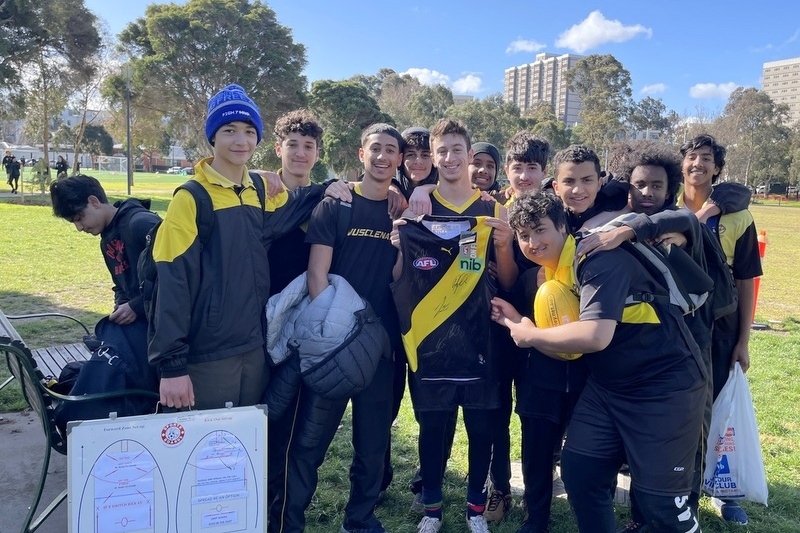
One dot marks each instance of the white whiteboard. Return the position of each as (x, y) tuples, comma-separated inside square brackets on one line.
[(190, 471)]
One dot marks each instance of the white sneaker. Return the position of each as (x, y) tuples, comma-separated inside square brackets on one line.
[(477, 524), (429, 524)]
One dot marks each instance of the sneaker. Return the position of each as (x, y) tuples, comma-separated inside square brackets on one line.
[(633, 527), (417, 506), (477, 524), (733, 514), (497, 506), (429, 524)]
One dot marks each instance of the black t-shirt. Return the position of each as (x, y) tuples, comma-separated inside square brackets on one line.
[(651, 340), (362, 252), (538, 370), (288, 258)]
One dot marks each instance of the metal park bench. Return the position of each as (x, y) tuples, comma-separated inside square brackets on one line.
[(32, 370)]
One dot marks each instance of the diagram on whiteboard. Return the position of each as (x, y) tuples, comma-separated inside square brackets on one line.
[(218, 482), (125, 490), (199, 471)]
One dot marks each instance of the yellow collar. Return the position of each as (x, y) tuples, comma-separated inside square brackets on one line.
[(565, 272)]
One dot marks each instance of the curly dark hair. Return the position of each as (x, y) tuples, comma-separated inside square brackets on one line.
[(300, 121), (529, 209), (648, 153)]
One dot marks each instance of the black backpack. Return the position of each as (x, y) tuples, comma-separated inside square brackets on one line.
[(118, 363), (148, 274), (724, 298)]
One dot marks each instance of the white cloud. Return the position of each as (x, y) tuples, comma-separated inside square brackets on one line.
[(655, 88), (469, 84), (522, 45), (596, 30), (712, 90), (427, 76)]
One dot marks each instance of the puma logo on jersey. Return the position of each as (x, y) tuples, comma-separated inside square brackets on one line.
[(448, 250)]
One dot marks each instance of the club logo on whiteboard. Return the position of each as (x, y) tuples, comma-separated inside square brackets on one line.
[(172, 434)]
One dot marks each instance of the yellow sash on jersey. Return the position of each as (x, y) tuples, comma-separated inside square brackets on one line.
[(445, 297)]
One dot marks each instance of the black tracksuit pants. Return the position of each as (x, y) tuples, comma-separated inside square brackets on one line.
[(314, 424)]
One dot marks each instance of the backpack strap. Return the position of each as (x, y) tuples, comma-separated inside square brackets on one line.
[(205, 209), (258, 184)]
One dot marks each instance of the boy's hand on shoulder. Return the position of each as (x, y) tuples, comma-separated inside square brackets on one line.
[(602, 241), (272, 181), (486, 197), (397, 202), (420, 201), (340, 190), (674, 238), (177, 392), (123, 315)]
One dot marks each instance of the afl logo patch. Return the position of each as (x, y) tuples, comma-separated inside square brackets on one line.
[(172, 434), (426, 263)]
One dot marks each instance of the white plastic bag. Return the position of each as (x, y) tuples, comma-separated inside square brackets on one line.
[(734, 466)]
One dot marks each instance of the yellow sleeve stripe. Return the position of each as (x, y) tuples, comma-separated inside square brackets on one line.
[(640, 313), (178, 230)]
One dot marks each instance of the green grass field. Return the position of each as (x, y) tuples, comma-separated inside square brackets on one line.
[(46, 265)]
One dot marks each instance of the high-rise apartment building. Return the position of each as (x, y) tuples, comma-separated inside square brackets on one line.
[(781, 81), (544, 80)]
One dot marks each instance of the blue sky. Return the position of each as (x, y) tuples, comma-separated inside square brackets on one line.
[(692, 55)]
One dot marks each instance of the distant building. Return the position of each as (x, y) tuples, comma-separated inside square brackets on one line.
[(780, 80), (461, 99), (544, 80)]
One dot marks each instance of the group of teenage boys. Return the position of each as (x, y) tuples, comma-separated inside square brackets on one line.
[(638, 396)]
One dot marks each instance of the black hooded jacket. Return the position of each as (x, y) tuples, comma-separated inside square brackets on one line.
[(121, 242)]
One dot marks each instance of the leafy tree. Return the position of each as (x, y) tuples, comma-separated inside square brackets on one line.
[(373, 83), (754, 129), (56, 37), (86, 89), (490, 119), (546, 124), (344, 108), (429, 105), (97, 140), (604, 87), (395, 95), (183, 54), (648, 114), (794, 154)]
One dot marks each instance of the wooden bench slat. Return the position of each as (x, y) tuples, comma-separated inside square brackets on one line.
[(55, 358)]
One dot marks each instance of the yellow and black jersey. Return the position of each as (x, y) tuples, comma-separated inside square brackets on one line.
[(650, 339), (475, 206), (443, 295)]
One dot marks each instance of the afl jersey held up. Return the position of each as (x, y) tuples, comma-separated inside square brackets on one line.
[(443, 297)]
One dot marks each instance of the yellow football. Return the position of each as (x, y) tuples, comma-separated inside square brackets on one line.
[(555, 305)]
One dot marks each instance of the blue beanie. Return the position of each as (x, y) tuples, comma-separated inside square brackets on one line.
[(231, 104)]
